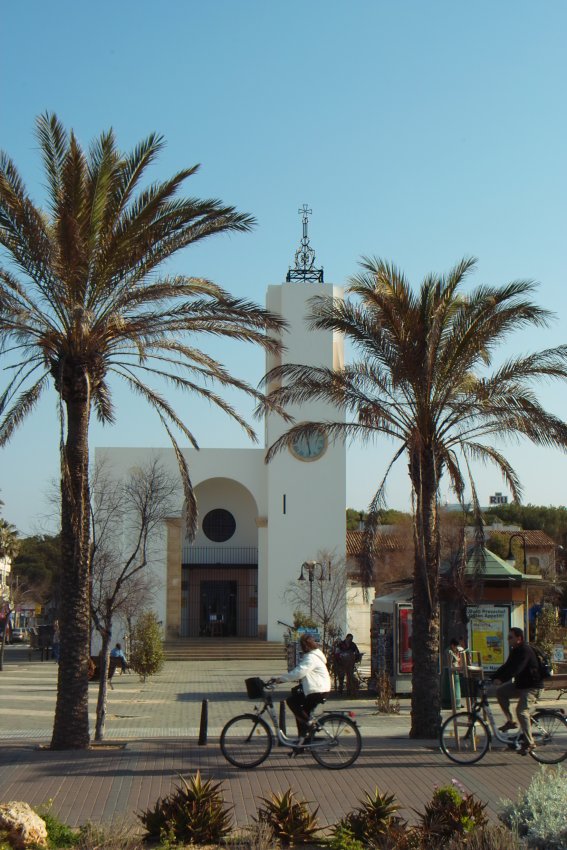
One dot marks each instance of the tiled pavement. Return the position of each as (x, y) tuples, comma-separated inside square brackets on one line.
[(158, 725)]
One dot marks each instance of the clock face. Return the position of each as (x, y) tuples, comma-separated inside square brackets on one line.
[(310, 447)]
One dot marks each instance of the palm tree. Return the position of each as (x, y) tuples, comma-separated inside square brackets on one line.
[(9, 542), (80, 299), (422, 379)]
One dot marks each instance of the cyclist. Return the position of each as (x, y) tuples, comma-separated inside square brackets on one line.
[(522, 666), (314, 679)]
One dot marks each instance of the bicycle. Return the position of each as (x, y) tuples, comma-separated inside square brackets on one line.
[(333, 738), (465, 736)]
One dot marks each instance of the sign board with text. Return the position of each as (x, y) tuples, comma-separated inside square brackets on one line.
[(488, 629)]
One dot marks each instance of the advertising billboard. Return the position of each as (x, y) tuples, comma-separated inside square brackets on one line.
[(488, 629)]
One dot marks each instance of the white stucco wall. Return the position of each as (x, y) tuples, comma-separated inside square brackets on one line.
[(313, 519)]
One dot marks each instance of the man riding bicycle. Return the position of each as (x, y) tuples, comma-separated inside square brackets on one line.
[(523, 667)]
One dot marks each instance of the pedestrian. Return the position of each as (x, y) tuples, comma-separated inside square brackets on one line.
[(118, 654), (347, 655), (452, 672), (55, 642)]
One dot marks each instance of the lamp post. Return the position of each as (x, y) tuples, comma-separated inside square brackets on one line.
[(310, 567), (510, 557)]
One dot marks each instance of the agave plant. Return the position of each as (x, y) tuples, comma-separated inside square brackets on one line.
[(289, 818), (194, 813), (373, 820)]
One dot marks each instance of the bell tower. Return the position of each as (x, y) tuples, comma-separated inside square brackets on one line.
[(306, 486)]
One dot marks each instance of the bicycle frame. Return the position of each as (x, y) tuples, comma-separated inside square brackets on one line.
[(482, 709), (283, 739)]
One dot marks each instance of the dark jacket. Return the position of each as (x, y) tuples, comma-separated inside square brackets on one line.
[(522, 666)]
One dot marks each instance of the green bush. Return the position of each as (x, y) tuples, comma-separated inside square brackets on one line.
[(146, 651), (290, 819), (452, 811), (194, 813), (540, 812), (343, 839)]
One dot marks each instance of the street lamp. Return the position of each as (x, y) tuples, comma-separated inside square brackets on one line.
[(311, 567), (510, 557)]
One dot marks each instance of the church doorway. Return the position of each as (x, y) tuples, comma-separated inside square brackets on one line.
[(219, 601), (218, 608)]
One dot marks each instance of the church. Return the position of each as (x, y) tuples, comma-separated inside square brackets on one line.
[(258, 522)]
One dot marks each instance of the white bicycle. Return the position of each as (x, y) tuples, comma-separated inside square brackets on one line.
[(333, 738), (467, 735)]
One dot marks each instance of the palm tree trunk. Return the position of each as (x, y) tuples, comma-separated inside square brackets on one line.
[(71, 723), (425, 700)]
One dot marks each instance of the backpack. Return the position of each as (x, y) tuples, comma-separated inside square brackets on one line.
[(543, 662)]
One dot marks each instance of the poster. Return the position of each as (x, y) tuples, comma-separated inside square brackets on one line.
[(488, 630), (405, 624)]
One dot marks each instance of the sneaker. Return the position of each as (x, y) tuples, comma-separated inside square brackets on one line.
[(510, 724), (526, 748)]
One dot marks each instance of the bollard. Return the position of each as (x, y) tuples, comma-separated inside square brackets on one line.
[(282, 720), (204, 722)]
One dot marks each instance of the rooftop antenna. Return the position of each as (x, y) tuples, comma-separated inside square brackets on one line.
[(304, 268)]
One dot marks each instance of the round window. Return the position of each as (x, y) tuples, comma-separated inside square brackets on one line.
[(219, 525)]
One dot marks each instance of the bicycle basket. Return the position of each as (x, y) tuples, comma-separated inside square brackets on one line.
[(470, 684), (254, 687)]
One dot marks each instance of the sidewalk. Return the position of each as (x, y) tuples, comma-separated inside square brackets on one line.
[(157, 724)]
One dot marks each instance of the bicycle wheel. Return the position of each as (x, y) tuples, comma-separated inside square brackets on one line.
[(464, 738), (336, 742), (246, 741), (549, 730)]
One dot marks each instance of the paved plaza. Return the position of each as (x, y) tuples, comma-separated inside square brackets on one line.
[(152, 737)]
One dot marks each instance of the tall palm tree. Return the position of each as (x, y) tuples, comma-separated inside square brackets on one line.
[(81, 298), (421, 377)]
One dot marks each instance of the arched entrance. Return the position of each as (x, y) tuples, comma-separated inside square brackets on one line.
[(219, 570)]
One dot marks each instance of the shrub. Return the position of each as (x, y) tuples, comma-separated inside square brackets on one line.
[(146, 652), (451, 812), (257, 836), (540, 812), (374, 821), (115, 837), (343, 839), (385, 701), (59, 835), (289, 818), (487, 838), (194, 813)]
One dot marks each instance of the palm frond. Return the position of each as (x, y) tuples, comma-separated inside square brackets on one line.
[(24, 404)]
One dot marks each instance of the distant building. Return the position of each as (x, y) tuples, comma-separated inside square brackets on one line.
[(498, 499)]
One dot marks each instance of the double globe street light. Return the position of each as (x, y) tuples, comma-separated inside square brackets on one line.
[(311, 568)]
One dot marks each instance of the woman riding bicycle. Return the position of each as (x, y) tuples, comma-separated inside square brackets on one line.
[(315, 682)]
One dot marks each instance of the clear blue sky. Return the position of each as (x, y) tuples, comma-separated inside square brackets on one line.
[(418, 132)]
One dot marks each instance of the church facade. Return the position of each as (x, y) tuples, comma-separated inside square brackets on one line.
[(258, 522)]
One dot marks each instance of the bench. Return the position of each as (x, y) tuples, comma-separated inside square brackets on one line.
[(558, 682)]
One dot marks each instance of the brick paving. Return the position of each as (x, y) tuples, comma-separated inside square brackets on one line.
[(152, 737)]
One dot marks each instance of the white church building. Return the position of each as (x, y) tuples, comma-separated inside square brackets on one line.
[(258, 523)]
